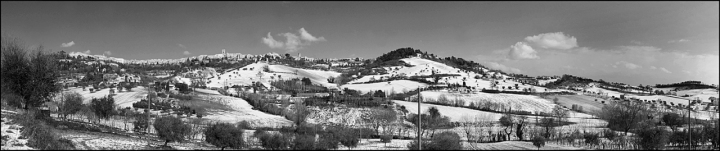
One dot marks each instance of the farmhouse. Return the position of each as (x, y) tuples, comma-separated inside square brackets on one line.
[(129, 78)]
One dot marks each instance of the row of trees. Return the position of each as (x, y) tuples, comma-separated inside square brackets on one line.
[(650, 126)]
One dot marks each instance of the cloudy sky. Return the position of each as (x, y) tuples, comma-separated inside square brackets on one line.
[(629, 42)]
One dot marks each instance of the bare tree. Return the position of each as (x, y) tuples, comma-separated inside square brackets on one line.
[(624, 116), (521, 123)]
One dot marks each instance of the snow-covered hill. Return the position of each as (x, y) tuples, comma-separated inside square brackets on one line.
[(516, 102), (425, 67), (255, 73)]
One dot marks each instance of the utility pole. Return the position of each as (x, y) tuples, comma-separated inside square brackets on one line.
[(419, 136), (689, 126)]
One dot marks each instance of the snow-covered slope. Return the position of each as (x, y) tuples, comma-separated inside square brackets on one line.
[(516, 102), (425, 67), (701, 94), (122, 99), (454, 113), (241, 111), (397, 86), (12, 132), (254, 72)]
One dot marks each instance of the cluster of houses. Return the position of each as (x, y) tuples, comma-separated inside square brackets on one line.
[(159, 72), (110, 78)]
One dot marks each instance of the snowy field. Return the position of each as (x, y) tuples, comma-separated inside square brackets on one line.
[(517, 102), (702, 94), (242, 111), (454, 113), (424, 67), (514, 145), (122, 99), (375, 144), (604, 91), (12, 131), (276, 72), (588, 103), (397, 86), (84, 140)]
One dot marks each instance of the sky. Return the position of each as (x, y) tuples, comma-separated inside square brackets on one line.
[(628, 42)]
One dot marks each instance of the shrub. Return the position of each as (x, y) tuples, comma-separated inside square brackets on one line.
[(349, 138), (304, 142), (592, 138), (386, 139), (609, 134), (414, 145), (103, 107), (224, 135), (171, 129), (538, 141), (71, 104), (39, 134), (446, 141), (141, 122), (652, 138), (441, 141), (274, 141), (328, 141)]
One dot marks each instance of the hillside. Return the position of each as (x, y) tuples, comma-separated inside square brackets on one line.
[(264, 73)]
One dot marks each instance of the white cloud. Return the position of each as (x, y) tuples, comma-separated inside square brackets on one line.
[(522, 51), (627, 65), (182, 46), (678, 41), (293, 42), (69, 44), (107, 53), (87, 52), (653, 67), (186, 53), (270, 41), (556, 40), (665, 70), (495, 65), (307, 36)]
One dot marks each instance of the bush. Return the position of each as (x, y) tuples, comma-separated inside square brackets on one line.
[(304, 142), (71, 104), (103, 107), (538, 141), (141, 122), (414, 145), (39, 134), (224, 135), (244, 125), (328, 141), (592, 138), (609, 134), (386, 139), (274, 141), (441, 141), (446, 141), (171, 129), (652, 138), (349, 138)]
